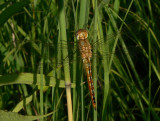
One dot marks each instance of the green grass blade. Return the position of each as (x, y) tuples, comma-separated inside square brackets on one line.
[(28, 78), (62, 23), (11, 10), (95, 78)]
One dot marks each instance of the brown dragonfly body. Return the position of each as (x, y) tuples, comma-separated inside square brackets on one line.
[(86, 54)]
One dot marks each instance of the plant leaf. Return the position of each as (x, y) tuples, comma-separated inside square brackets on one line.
[(12, 116), (28, 78), (11, 10)]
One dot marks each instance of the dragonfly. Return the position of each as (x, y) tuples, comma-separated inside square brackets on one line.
[(85, 49), (86, 54)]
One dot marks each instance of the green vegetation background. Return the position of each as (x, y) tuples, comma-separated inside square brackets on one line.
[(41, 70)]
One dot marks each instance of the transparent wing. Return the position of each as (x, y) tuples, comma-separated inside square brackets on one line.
[(105, 46)]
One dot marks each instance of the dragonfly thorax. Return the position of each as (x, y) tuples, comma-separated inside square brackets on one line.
[(81, 34)]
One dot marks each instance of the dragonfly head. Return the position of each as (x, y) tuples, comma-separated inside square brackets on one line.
[(81, 34)]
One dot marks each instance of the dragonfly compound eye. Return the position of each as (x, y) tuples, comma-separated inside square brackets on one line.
[(81, 34)]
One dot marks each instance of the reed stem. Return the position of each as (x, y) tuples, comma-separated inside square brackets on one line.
[(66, 60)]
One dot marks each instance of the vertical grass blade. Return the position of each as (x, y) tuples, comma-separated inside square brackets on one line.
[(81, 25), (75, 90), (41, 84), (149, 76), (94, 56), (82, 13), (65, 54)]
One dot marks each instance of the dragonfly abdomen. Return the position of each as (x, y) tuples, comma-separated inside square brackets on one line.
[(87, 65)]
